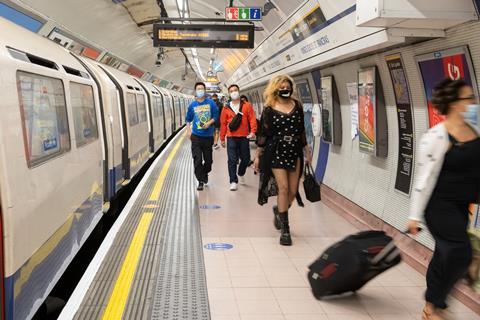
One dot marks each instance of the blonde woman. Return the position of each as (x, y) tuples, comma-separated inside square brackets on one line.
[(281, 144)]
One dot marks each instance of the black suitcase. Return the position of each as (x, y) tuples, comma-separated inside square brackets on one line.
[(350, 263)]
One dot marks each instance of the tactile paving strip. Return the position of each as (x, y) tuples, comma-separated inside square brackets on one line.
[(170, 280)]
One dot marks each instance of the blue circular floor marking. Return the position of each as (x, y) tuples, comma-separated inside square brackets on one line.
[(209, 206), (218, 246)]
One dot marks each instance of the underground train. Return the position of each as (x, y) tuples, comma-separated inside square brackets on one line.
[(73, 133)]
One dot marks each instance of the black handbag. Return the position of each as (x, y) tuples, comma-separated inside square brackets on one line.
[(310, 185), (237, 120)]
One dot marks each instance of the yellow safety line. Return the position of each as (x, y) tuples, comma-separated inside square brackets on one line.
[(161, 178), (118, 298)]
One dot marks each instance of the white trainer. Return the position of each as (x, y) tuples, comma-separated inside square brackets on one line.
[(241, 179), (233, 186)]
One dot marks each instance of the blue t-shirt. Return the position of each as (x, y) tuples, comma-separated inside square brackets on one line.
[(200, 113)]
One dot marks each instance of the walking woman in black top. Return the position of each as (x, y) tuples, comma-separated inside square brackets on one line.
[(280, 155), (447, 181)]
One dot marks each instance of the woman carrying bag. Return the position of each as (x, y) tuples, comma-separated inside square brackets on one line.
[(281, 145), (447, 182)]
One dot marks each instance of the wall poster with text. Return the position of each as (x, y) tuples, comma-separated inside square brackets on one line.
[(305, 96), (367, 109), (452, 63), (327, 109), (405, 123)]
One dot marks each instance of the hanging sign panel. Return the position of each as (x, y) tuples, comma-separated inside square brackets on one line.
[(243, 14), (203, 36), (405, 123), (366, 110), (453, 63)]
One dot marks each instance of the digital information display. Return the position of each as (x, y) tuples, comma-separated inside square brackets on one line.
[(206, 36)]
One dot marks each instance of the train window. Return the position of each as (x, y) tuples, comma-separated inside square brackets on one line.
[(76, 72), (44, 117), (157, 112), (132, 109), (84, 117), (141, 107), (17, 54)]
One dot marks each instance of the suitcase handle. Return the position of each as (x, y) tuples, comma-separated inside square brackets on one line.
[(387, 250)]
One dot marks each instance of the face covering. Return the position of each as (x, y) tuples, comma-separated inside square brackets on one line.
[(471, 114), (200, 93), (285, 93), (235, 95)]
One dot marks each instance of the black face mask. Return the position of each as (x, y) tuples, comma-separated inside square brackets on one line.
[(284, 93)]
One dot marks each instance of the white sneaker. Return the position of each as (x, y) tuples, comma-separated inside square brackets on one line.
[(216, 146), (241, 179), (233, 186)]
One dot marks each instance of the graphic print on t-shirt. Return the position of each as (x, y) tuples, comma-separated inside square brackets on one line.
[(202, 115)]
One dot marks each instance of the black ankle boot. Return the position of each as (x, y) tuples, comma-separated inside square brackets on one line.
[(285, 239), (276, 219)]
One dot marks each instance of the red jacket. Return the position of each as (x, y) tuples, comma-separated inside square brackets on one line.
[(247, 118)]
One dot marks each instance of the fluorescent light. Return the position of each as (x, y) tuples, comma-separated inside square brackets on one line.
[(212, 50), (197, 63)]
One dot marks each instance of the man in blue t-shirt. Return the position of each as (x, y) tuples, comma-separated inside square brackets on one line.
[(201, 116)]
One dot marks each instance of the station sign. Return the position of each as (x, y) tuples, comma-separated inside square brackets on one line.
[(243, 13), (203, 36)]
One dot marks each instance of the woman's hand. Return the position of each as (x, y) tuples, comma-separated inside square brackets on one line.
[(308, 156), (413, 227), (256, 164)]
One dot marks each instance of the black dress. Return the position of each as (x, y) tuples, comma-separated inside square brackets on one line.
[(283, 138), (447, 218)]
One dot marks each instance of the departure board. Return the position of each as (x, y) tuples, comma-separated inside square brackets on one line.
[(209, 36)]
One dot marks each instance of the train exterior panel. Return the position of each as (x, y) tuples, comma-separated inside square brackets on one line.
[(50, 164)]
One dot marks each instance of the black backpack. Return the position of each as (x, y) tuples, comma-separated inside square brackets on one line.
[(237, 119)]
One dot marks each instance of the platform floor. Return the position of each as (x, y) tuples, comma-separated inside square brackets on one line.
[(260, 280), (157, 260)]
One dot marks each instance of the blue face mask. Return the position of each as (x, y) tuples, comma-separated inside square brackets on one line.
[(471, 114), (200, 93)]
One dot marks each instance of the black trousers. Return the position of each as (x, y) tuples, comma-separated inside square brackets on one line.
[(202, 156), (448, 224), (237, 148)]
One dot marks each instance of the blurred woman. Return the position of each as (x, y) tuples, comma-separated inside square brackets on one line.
[(447, 181), (280, 154)]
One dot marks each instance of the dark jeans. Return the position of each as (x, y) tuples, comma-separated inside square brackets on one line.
[(202, 156), (237, 148), (447, 223)]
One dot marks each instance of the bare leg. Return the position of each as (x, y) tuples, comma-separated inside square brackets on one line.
[(293, 180), (281, 177)]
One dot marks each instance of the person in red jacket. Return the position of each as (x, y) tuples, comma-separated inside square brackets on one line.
[(238, 146)]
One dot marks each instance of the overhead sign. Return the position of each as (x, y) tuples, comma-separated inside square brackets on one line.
[(243, 14), (203, 36)]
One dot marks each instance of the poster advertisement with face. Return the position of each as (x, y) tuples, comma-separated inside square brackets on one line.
[(352, 89), (453, 63), (304, 93), (366, 110), (327, 109)]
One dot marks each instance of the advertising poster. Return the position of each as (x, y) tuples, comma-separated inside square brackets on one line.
[(305, 96), (352, 89), (327, 109), (434, 67), (366, 110), (405, 123)]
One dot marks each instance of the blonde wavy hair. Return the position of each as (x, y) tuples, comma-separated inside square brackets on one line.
[(270, 93)]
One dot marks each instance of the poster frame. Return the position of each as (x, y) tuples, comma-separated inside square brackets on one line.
[(336, 112), (438, 54), (399, 105), (372, 69)]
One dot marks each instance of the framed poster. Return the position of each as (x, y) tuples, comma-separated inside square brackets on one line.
[(305, 96), (405, 123), (367, 110), (352, 89), (452, 63), (327, 109)]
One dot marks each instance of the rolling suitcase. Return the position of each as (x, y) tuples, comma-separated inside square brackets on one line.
[(350, 263)]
